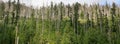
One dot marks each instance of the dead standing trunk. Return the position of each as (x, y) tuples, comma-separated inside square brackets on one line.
[(16, 21)]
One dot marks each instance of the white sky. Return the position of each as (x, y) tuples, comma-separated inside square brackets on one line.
[(38, 3)]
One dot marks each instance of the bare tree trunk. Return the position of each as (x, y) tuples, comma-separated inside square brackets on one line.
[(16, 35)]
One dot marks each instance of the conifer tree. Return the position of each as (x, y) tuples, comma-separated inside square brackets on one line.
[(55, 14), (76, 8), (106, 26), (2, 6), (61, 10), (9, 3)]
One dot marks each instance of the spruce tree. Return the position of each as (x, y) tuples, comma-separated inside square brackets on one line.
[(9, 3), (76, 8), (2, 6)]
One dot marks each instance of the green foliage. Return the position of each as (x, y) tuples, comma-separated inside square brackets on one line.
[(59, 24)]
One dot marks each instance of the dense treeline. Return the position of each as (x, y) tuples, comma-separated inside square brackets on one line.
[(59, 24)]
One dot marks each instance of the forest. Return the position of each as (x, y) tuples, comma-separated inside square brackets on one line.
[(59, 24)]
